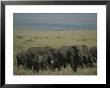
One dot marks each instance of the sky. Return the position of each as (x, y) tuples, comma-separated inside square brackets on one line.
[(55, 21)]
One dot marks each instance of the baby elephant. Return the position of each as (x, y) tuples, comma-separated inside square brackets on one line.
[(43, 61), (21, 58)]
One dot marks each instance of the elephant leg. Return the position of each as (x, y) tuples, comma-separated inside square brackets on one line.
[(64, 65), (75, 67), (37, 69), (59, 67)]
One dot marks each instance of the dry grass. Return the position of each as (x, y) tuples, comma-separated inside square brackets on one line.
[(64, 71)]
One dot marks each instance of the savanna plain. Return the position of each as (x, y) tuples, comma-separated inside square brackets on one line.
[(24, 39)]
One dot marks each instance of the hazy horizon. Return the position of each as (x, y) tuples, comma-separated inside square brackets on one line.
[(55, 21)]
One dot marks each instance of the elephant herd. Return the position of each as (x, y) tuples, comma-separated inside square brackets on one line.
[(44, 58)]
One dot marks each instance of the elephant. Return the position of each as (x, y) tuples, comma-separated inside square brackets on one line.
[(93, 56), (21, 58), (43, 61), (74, 57), (53, 62), (34, 54), (68, 55), (62, 59), (34, 63), (93, 53), (84, 59), (40, 61)]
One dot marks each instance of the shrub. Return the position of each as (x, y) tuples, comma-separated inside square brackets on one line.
[(29, 40), (19, 37), (58, 37), (83, 39)]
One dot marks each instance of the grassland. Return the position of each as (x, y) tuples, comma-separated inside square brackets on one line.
[(24, 39)]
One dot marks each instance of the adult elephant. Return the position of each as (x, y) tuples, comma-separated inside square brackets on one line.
[(54, 61), (34, 63), (33, 56), (93, 53), (83, 52), (73, 55), (62, 58), (21, 58), (93, 57)]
